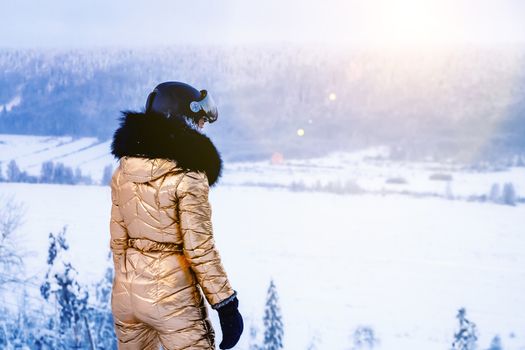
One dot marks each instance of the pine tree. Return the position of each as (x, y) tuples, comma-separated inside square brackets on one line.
[(465, 338), (495, 344), (364, 338), (273, 324)]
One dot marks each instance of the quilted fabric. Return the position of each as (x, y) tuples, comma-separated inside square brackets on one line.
[(166, 262)]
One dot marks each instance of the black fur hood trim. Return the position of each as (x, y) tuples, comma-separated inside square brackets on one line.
[(152, 135)]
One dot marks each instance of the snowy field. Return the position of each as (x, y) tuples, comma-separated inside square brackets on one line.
[(401, 265), (372, 170)]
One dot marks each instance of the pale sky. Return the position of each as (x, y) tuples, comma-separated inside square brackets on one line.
[(130, 23)]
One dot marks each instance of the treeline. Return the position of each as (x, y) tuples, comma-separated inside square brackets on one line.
[(52, 173), (341, 99), (505, 194)]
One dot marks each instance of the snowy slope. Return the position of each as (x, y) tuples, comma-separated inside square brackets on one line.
[(398, 264), (87, 153)]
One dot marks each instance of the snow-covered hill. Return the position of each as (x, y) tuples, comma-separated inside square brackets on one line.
[(29, 152), (433, 101)]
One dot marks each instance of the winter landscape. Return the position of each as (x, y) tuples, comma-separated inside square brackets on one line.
[(373, 189), (349, 250)]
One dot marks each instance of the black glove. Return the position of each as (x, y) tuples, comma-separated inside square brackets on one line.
[(231, 324)]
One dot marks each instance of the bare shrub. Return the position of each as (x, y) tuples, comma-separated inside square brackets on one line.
[(440, 177), (11, 262), (396, 181)]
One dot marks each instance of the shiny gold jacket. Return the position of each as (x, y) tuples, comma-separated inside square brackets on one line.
[(164, 254)]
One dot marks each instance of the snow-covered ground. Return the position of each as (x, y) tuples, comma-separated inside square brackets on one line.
[(87, 153), (398, 264), (372, 170)]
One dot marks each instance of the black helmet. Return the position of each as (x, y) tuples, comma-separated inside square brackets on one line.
[(175, 99)]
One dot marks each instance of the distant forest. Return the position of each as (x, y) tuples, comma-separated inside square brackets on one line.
[(424, 103)]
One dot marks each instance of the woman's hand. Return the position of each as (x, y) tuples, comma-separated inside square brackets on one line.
[(231, 324)]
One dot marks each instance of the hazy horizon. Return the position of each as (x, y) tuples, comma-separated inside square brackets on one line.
[(380, 23)]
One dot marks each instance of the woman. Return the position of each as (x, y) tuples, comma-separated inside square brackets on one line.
[(161, 233)]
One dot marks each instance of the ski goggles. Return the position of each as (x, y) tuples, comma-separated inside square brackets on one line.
[(206, 105)]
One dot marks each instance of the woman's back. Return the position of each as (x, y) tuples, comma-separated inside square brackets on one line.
[(167, 251), (166, 263), (145, 190)]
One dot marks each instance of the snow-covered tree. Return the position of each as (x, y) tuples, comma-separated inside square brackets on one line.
[(364, 338), (495, 344), (11, 254), (13, 172), (70, 297), (273, 323), (466, 336), (47, 172), (78, 176), (106, 176), (253, 338), (63, 174), (47, 336), (313, 343), (58, 173), (17, 320), (22, 325), (509, 194), (495, 195), (100, 316)]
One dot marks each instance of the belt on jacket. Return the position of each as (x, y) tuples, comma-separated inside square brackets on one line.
[(146, 245)]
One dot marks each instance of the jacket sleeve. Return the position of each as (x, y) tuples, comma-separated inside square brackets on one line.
[(117, 228), (198, 242)]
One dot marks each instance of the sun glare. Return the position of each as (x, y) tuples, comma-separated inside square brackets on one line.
[(397, 22)]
